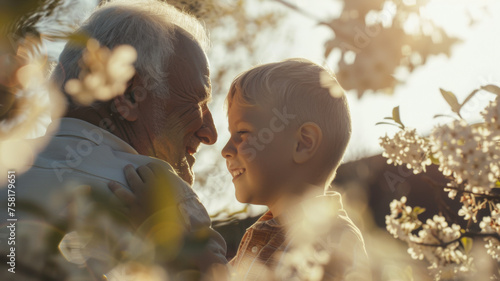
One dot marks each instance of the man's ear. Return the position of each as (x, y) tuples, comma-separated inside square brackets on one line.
[(126, 104), (309, 137)]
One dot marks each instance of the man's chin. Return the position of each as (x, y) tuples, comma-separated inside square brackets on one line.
[(185, 172), (184, 168), (187, 176)]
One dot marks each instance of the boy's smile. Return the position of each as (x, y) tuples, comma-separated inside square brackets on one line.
[(236, 173)]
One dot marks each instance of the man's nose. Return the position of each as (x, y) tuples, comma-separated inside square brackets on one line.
[(207, 133)]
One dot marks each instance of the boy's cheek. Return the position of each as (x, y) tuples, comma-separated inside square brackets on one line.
[(247, 151)]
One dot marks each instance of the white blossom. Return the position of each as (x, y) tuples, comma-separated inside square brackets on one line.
[(470, 154), (437, 241), (452, 191), (469, 208), (491, 224), (137, 271), (400, 223), (491, 115), (406, 147), (464, 152), (104, 73)]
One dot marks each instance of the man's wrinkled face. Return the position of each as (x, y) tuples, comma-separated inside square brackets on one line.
[(183, 121)]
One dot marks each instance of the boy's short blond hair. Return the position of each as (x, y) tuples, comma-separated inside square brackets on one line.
[(305, 88)]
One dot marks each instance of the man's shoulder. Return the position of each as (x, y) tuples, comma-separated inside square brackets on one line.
[(76, 154), (79, 150)]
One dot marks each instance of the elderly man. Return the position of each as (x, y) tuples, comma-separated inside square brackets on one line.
[(162, 117)]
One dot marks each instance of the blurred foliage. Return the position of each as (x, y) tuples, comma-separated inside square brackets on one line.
[(93, 239), (24, 27), (371, 35), (375, 41)]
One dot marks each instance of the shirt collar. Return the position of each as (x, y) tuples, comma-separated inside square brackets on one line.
[(67, 126), (332, 198)]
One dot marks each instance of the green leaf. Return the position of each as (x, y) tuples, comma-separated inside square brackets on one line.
[(418, 210), (387, 123), (492, 89), (469, 97), (434, 160), (443, 115), (497, 183), (451, 99), (396, 116), (467, 244)]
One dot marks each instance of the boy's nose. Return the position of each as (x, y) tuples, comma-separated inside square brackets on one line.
[(228, 150)]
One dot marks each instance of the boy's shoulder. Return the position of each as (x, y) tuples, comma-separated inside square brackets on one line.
[(333, 240), (325, 218)]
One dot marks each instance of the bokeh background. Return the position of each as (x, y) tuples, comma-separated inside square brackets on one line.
[(386, 53)]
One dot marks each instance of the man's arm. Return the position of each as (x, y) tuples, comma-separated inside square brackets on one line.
[(162, 207)]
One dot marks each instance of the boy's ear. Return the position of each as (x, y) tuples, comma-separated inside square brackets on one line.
[(126, 104), (309, 137)]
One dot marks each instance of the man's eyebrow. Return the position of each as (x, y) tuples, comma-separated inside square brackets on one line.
[(209, 98), (205, 102)]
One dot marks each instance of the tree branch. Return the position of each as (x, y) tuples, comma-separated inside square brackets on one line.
[(301, 11), (436, 184), (308, 15), (466, 234)]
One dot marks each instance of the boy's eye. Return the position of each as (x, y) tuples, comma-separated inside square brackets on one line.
[(242, 132)]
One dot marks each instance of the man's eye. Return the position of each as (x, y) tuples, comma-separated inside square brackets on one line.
[(242, 132)]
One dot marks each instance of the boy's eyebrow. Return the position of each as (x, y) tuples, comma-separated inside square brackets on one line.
[(238, 122), (235, 124)]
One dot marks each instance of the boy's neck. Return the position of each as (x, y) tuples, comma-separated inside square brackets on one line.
[(289, 200)]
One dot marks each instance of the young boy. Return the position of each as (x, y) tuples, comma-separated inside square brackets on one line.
[(289, 133), (290, 126)]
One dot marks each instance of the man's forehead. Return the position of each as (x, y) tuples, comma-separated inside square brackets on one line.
[(187, 48), (188, 70)]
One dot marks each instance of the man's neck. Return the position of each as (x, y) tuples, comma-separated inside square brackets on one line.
[(103, 119), (87, 114)]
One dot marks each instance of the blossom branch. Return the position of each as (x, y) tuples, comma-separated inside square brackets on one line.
[(465, 234), (484, 195)]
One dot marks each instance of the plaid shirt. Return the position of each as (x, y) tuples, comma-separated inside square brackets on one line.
[(262, 248)]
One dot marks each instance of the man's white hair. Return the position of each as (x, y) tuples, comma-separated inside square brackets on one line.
[(147, 25)]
